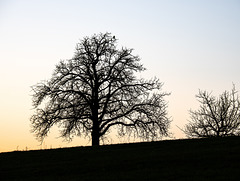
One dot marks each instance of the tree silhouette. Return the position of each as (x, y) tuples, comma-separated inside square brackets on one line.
[(215, 117), (97, 90)]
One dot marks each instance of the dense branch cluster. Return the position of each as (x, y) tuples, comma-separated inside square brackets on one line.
[(97, 89), (215, 117)]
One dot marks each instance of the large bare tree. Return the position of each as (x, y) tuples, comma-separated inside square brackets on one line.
[(216, 117), (96, 90)]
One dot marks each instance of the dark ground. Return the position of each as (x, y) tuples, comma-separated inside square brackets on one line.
[(197, 159)]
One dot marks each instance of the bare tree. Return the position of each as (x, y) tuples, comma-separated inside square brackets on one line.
[(97, 90), (216, 117)]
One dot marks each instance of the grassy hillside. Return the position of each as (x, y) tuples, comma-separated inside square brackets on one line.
[(198, 159)]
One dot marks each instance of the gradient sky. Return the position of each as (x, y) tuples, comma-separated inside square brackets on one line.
[(188, 44)]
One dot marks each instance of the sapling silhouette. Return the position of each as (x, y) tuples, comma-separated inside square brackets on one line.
[(216, 117)]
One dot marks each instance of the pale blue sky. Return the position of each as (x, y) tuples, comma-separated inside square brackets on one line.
[(187, 44)]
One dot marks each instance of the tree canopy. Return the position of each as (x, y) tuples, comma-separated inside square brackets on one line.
[(98, 89)]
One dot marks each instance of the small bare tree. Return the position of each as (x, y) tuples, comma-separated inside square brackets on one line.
[(216, 117), (97, 90)]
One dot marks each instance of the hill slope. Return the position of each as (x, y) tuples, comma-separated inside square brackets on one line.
[(198, 159)]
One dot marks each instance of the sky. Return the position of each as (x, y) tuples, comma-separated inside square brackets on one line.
[(187, 44)]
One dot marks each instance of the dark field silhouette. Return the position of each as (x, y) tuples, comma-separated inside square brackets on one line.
[(196, 159)]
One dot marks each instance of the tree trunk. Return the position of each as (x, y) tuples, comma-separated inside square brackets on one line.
[(95, 129), (95, 138)]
